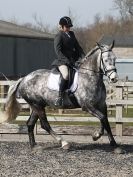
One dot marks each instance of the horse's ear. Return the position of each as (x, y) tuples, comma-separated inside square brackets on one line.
[(112, 45)]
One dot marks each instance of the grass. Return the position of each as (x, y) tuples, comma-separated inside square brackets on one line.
[(77, 113)]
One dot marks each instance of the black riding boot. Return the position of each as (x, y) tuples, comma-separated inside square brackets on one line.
[(59, 100)]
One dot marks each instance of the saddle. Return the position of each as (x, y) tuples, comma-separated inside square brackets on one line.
[(71, 74), (55, 79), (53, 83)]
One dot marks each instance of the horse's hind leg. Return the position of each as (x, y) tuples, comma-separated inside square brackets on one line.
[(31, 124), (46, 126)]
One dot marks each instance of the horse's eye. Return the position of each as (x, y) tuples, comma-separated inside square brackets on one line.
[(106, 60)]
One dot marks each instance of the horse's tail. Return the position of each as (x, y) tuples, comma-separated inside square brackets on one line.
[(12, 106)]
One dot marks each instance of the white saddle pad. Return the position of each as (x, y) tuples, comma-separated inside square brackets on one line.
[(53, 82)]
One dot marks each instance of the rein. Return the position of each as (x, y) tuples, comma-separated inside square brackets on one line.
[(104, 72), (93, 71)]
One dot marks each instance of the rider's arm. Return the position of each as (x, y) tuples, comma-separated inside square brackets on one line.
[(58, 47), (79, 48)]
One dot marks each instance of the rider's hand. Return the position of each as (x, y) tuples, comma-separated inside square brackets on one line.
[(77, 64)]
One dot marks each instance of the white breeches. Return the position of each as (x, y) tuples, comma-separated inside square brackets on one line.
[(64, 71)]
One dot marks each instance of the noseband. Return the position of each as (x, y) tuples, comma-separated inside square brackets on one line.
[(105, 70)]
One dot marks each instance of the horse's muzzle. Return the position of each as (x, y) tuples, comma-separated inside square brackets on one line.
[(113, 77)]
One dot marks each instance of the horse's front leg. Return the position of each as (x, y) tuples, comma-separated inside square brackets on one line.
[(104, 123), (97, 134)]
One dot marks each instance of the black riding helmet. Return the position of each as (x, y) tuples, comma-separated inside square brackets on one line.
[(65, 21)]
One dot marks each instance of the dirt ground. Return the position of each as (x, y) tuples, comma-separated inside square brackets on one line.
[(81, 160)]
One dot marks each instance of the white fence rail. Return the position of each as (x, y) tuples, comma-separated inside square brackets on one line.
[(118, 97)]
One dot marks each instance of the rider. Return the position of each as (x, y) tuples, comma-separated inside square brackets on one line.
[(68, 51)]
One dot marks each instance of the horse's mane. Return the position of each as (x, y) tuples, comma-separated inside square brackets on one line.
[(92, 51)]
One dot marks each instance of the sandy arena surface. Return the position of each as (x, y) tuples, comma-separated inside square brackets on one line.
[(81, 160)]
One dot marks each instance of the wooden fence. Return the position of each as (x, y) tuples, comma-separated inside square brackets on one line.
[(119, 96)]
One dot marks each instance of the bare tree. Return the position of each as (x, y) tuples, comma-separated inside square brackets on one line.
[(131, 7), (73, 17), (13, 20), (40, 25), (125, 8)]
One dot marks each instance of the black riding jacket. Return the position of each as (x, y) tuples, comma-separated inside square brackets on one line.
[(67, 49)]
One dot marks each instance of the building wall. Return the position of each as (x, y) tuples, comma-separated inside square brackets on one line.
[(123, 52), (124, 66), (21, 55), (125, 70)]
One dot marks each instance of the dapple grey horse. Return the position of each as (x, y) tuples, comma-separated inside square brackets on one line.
[(90, 93)]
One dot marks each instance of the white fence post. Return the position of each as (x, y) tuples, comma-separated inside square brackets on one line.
[(119, 124), (2, 92)]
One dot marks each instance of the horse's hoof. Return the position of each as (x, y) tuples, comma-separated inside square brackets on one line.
[(118, 150), (95, 136), (36, 148), (65, 145), (113, 144)]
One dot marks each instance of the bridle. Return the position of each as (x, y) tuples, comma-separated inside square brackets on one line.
[(105, 71)]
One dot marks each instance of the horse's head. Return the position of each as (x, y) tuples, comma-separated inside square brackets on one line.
[(107, 62)]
